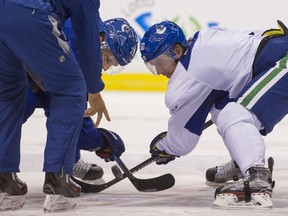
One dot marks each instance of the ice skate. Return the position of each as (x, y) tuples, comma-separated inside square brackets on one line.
[(12, 191), (88, 172), (61, 192), (223, 174), (254, 190)]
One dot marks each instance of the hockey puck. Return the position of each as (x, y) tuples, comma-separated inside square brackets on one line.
[(117, 172)]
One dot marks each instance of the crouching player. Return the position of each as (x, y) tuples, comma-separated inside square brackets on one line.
[(251, 68)]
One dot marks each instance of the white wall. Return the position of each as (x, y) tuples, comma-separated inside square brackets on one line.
[(192, 15)]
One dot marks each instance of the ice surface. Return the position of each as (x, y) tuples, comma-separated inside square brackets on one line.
[(138, 117)]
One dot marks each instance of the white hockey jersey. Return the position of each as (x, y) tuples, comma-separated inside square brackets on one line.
[(217, 63)]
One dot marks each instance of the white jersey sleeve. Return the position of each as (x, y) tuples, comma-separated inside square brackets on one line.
[(183, 98)]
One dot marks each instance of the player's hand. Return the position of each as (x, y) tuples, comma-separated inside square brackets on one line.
[(97, 105), (162, 156)]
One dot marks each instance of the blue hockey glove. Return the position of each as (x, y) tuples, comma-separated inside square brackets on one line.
[(162, 156), (113, 145)]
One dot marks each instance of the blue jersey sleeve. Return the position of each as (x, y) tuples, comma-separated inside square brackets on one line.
[(85, 39)]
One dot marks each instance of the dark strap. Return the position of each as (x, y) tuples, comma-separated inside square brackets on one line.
[(270, 34)]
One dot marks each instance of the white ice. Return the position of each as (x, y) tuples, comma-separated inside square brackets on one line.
[(138, 117)]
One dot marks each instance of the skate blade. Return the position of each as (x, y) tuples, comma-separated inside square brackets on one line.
[(8, 202), (258, 200), (58, 203)]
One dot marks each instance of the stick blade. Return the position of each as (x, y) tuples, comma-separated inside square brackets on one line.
[(89, 187), (159, 183)]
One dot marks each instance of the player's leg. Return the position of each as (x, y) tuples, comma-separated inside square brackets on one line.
[(239, 129), (233, 122), (225, 172), (263, 103), (271, 50), (82, 168), (43, 51), (12, 100)]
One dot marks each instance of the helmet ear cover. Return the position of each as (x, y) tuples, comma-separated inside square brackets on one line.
[(102, 36), (179, 51)]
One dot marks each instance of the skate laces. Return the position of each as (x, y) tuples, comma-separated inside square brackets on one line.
[(16, 179), (71, 182), (260, 173), (226, 168), (81, 167)]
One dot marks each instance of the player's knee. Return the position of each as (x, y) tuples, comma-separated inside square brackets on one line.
[(233, 114)]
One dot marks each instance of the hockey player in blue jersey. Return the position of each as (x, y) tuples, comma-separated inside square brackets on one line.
[(30, 41), (206, 74), (42, 50), (119, 46)]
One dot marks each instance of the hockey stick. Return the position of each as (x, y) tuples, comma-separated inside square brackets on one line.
[(147, 185), (166, 180), (155, 184), (208, 124), (159, 183)]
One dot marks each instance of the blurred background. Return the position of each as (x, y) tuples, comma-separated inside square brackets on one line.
[(191, 15)]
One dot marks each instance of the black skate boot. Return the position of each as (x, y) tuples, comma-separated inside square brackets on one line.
[(254, 190), (220, 175), (61, 192), (12, 191), (87, 171)]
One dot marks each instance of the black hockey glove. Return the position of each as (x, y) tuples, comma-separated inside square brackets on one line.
[(113, 145), (162, 156)]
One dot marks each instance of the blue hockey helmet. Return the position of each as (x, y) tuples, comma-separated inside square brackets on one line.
[(121, 39), (161, 38)]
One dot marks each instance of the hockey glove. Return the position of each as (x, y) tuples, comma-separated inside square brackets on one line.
[(113, 145), (162, 156)]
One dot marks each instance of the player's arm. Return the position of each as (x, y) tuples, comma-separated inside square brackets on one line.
[(185, 125), (85, 21)]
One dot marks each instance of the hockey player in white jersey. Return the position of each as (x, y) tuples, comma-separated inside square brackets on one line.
[(206, 73)]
